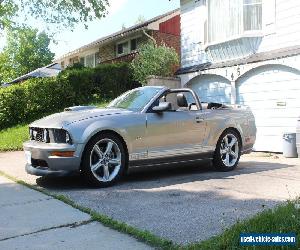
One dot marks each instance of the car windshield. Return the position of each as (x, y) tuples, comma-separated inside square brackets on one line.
[(135, 99)]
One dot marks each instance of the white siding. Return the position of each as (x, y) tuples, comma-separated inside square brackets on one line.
[(272, 93), (281, 28), (193, 16), (287, 26)]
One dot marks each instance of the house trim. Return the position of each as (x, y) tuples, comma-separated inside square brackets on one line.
[(260, 58)]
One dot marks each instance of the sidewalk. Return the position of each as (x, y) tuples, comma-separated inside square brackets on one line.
[(32, 220)]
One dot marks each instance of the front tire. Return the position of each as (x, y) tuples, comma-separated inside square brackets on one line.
[(228, 151), (104, 160)]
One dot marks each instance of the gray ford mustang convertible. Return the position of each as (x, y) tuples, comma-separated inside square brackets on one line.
[(145, 126)]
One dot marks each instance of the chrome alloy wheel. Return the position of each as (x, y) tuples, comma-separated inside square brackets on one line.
[(105, 160), (229, 150)]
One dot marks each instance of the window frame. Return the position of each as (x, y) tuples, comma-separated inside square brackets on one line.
[(129, 50), (92, 60), (243, 33)]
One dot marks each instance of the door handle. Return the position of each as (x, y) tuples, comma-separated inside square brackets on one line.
[(199, 119)]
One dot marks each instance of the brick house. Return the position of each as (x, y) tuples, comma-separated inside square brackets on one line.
[(123, 45)]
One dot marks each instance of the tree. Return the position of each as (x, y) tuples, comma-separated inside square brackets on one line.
[(154, 60), (26, 50), (140, 19), (56, 12)]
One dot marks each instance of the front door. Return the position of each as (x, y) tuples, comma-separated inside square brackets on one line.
[(175, 135)]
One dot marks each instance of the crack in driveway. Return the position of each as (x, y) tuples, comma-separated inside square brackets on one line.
[(70, 225)]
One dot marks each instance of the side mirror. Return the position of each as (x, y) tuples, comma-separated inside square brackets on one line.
[(163, 106)]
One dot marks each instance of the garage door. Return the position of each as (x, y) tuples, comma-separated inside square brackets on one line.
[(272, 92), (211, 88)]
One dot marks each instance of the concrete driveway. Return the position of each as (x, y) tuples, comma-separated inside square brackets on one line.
[(181, 203)]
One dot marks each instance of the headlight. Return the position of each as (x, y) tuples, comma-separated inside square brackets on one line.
[(61, 136), (68, 138), (46, 137), (31, 134)]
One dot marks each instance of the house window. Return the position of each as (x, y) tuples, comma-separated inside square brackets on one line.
[(227, 19), (126, 47), (97, 58), (81, 60), (252, 14), (133, 44), (122, 48), (90, 61)]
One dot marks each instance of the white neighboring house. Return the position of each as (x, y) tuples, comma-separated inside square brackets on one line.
[(245, 52)]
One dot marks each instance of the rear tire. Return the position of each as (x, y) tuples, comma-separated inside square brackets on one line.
[(104, 160), (228, 151)]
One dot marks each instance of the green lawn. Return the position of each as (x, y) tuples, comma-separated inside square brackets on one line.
[(283, 219), (11, 139)]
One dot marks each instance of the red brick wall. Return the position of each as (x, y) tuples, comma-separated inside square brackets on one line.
[(169, 40)]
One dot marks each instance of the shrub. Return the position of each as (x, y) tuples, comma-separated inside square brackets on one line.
[(154, 60), (36, 97), (111, 80), (28, 101)]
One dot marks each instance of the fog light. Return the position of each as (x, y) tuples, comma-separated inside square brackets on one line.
[(63, 153)]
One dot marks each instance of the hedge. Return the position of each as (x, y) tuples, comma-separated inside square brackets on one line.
[(35, 98)]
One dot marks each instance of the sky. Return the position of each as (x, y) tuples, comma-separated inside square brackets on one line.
[(121, 12)]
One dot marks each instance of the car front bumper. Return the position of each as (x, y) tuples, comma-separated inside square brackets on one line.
[(41, 162)]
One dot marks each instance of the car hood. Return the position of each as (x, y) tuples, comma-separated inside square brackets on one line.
[(76, 114)]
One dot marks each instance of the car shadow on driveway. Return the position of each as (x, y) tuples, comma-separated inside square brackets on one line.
[(162, 176), (185, 203)]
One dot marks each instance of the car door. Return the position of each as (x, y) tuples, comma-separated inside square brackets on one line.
[(175, 135)]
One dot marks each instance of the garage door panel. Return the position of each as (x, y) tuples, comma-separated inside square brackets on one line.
[(268, 143), (274, 86), (283, 113), (275, 122), (290, 94), (273, 94), (211, 88), (291, 105)]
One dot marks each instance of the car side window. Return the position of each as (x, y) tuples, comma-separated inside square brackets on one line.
[(173, 99)]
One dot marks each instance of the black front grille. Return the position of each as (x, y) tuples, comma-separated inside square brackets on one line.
[(39, 134)]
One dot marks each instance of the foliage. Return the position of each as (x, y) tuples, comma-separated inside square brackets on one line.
[(11, 139), (7, 10), (77, 65), (35, 98), (140, 19), (26, 50), (60, 13), (154, 60)]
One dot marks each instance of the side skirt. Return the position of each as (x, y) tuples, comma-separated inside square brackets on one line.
[(172, 160)]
